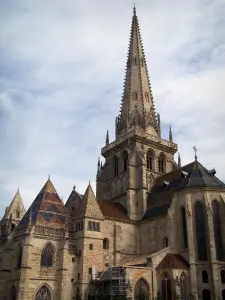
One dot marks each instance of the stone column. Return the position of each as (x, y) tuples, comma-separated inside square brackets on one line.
[(191, 246)]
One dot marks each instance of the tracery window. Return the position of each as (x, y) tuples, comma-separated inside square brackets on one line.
[(205, 277), (217, 230), (47, 256), (161, 164), (43, 294), (115, 165), (125, 160), (105, 243), (141, 290), (200, 231), (166, 287), (184, 226), (150, 160)]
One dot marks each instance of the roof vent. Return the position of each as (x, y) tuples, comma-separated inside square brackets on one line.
[(184, 174), (166, 183), (212, 172)]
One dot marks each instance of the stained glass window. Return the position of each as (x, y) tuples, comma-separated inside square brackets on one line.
[(47, 256), (184, 225), (217, 230), (166, 287), (200, 231), (43, 293)]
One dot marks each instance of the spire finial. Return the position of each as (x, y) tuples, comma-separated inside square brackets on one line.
[(134, 8), (170, 135), (179, 160), (107, 138), (18, 190), (74, 188), (49, 177), (195, 150)]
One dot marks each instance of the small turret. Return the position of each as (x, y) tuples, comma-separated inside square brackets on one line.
[(107, 138), (179, 160), (170, 135)]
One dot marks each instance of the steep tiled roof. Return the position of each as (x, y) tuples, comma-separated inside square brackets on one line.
[(136, 261), (173, 261), (113, 210), (88, 206), (196, 176), (47, 209)]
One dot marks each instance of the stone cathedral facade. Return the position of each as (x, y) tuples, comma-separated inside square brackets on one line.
[(159, 223)]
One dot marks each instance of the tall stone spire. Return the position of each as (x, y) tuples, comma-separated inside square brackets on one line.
[(137, 107)]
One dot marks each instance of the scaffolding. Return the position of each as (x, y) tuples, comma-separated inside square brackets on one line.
[(109, 285)]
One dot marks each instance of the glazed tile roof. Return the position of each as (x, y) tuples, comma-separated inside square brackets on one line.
[(160, 198), (173, 261), (113, 210), (136, 261), (47, 209)]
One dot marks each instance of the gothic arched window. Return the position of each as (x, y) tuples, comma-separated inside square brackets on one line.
[(19, 256), (223, 294), (12, 295), (150, 160), (47, 256), (115, 165), (200, 231), (125, 160), (43, 293), (217, 230), (222, 276), (105, 243), (141, 290), (206, 295), (184, 227), (161, 164), (166, 287), (205, 277)]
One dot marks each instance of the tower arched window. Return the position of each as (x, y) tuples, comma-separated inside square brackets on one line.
[(115, 165), (222, 276), (161, 164), (205, 277), (150, 160), (125, 160), (43, 293), (200, 231), (217, 230), (105, 243), (165, 242), (47, 256), (166, 287), (12, 295), (184, 227)]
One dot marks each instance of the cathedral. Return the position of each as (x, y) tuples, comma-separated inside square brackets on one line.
[(154, 230)]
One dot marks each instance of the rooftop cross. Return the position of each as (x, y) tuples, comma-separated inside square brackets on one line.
[(195, 150)]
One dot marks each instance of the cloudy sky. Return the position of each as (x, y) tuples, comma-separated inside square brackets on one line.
[(61, 75)]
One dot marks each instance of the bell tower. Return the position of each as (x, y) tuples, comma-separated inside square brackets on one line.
[(138, 154)]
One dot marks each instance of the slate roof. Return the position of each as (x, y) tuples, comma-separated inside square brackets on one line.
[(47, 210), (173, 261), (88, 206), (113, 210), (160, 198)]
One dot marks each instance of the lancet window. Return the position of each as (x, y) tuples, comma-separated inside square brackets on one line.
[(184, 227), (150, 160), (217, 230), (200, 231), (115, 165), (161, 164), (125, 160)]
